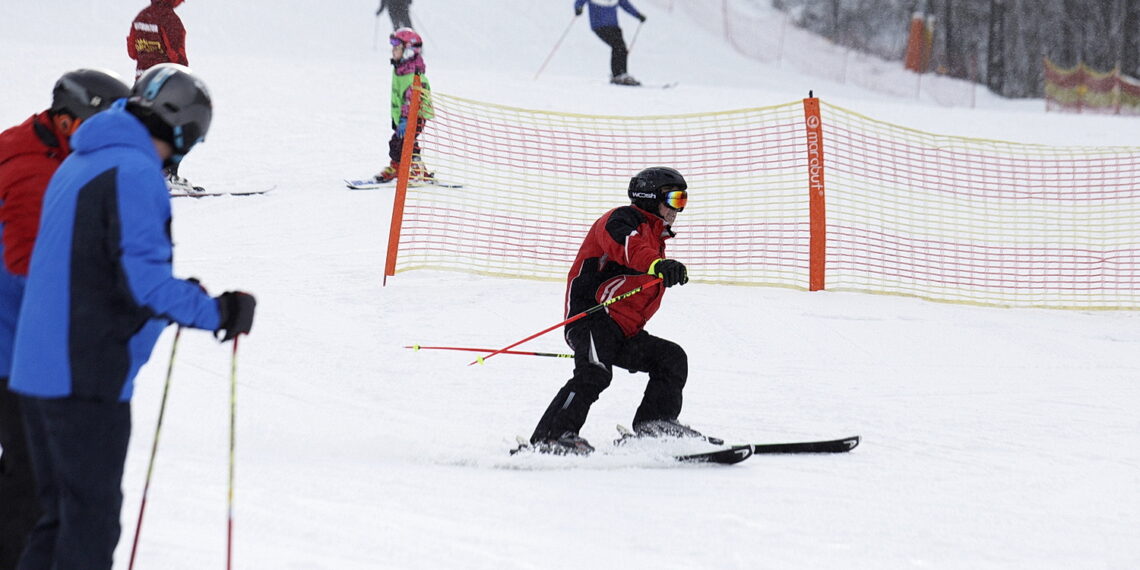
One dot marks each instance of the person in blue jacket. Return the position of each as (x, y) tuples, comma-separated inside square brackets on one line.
[(29, 154), (604, 22), (99, 291)]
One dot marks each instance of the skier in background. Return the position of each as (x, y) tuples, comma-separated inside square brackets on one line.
[(604, 22), (29, 154), (407, 62), (623, 250), (158, 36), (99, 292), (398, 11)]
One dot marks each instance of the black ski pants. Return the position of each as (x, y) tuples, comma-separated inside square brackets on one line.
[(398, 11), (618, 54), (599, 345), (78, 449), (396, 143), (18, 506)]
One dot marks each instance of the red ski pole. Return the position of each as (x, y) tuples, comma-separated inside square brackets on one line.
[(154, 446), (629, 49), (233, 425), (583, 314), (556, 46), (519, 352)]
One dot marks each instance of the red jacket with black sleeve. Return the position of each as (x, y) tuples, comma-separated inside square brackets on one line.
[(614, 259), (157, 36), (29, 154)]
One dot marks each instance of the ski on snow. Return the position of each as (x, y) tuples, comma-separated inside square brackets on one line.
[(729, 456), (737, 453), (829, 446), (206, 193), (372, 184), (668, 85)]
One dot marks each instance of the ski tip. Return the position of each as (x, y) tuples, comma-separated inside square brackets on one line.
[(729, 456), (852, 442), (413, 347)]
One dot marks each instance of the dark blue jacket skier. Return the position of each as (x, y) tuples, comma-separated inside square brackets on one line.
[(100, 288), (604, 22), (603, 13), (98, 293)]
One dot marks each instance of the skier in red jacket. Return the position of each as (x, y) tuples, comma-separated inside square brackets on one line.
[(29, 154), (157, 36), (624, 249)]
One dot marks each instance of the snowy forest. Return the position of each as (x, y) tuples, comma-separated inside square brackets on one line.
[(1000, 43)]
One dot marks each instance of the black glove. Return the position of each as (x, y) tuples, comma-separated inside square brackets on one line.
[(641, 17), (236, 311), (578, 11), (671, 272)]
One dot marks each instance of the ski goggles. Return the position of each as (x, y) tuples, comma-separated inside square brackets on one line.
[(676, 199)]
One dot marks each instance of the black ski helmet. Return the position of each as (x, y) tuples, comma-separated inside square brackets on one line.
[(84, 92), (648, 188), (174, 104)]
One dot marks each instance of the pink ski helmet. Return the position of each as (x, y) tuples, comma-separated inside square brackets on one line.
[(408, 38)]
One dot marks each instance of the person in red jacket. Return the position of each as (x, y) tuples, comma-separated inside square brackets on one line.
[(29, 154), (157, 36), (624, 250)]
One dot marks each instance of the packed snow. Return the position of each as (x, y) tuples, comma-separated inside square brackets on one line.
[(992, 438)]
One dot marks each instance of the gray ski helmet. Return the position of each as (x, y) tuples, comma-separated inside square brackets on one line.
[(84, 92), (647, 189), (174, 104)]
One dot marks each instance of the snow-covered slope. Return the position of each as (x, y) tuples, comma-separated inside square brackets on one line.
[(992, 438)]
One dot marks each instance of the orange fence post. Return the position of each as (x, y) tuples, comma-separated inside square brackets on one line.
[(915, 44), (817, 248), (402, 176)]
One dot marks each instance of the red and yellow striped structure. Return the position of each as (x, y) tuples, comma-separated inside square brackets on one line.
[(1081, 89)]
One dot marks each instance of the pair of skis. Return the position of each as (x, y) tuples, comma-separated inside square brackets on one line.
[(736, 453), (373, 184), (206, 193)]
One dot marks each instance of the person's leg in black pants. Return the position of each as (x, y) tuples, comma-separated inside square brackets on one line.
[(78, 449), (618, 54), (17, 485)]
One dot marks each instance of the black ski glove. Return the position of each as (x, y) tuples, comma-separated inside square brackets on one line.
[(671, 272), (641, 17), (236, 311), (578, 11)]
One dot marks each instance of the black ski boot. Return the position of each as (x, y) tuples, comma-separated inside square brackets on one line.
[(671, 428), (625, 79), (569, 443)]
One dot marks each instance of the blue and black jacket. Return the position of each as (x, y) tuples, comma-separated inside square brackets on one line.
[(100, 287), (11, 291), (603, 13)]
